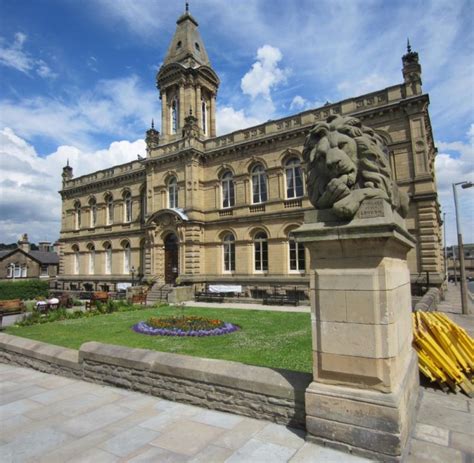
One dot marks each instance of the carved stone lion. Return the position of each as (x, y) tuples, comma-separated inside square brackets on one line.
[(347, 163)]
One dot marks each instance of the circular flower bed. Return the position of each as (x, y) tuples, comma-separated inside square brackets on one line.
[(184, 326)]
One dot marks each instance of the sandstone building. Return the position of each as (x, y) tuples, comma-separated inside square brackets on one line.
[(23, 262), (206, 209)]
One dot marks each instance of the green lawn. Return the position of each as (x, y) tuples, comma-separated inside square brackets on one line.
[(271, 339)]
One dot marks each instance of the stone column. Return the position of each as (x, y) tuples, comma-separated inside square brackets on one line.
[(164, 116), (365, 373), (212, 117), (198, 108), (183, 110)]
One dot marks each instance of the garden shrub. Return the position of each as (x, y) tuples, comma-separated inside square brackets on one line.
[(26, 289)]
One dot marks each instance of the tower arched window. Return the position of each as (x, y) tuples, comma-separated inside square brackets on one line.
[(204, 116), (92, 213), (261, 252), (174, 115), (294, 178), (229, 252), (91, 249), (77, 215), (127, 255), (172, 193), (259, 185), (109, 206), (127, 206), (107, 258), (296, 255), (228, 194)]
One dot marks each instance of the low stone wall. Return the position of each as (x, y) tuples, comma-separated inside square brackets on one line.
[(429, 302), (262, 393)]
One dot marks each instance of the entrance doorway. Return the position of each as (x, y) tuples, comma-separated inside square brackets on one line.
[(171, 259)]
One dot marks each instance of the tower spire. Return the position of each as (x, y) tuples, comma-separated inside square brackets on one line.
[(408, 46), (152, 123)]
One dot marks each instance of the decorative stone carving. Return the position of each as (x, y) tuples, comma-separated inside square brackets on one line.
[(347, 163), (152, 138)]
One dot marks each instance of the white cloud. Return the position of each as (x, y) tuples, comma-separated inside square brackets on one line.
[(29, 199), (228, 120), (301, 104), (265, 74), (15, 57), (455, 163), (115, 107), (370, 83)]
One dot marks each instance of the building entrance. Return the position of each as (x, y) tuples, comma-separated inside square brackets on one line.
[(171, 259)]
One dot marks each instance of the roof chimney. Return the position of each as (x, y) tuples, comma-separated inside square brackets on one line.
[(23, 243)]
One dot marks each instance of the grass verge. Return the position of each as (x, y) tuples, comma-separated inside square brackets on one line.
[(270, 339)]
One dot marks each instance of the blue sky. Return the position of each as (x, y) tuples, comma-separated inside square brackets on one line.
[(78, 81)]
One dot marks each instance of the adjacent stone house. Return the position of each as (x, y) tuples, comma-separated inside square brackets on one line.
[(25, 263), (205, 209)]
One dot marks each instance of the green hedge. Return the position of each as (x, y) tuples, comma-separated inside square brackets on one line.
[(27, 289)]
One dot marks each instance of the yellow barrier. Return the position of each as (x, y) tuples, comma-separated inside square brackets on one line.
[(445, 351)]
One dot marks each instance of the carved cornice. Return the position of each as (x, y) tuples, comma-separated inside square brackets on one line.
[(99, 185)]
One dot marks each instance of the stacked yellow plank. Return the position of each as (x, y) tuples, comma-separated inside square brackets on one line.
[(445, 351)]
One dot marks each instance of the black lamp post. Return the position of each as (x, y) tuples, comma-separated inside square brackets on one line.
[(132, 271), (462, 271)]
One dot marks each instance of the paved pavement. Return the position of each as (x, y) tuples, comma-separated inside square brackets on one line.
[(50, 419), (46, 418)]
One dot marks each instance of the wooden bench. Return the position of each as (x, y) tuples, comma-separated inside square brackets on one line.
[(97, 296), (11, 307), (281, 299), (139, 298), (207, 296)]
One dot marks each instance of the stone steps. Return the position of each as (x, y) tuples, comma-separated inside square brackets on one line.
[(158, 293)]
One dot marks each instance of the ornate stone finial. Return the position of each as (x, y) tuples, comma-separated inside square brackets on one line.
[(152, 138), (187, 7), (67, 164), (190, 111), (408, 46), (347, 163)]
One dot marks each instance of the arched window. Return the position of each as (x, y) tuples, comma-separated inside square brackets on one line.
[(204, 116), (296, 255), (92, 212), (172, 193), (24, 271), (91, 249), (227, 185), (108, 259), (261, 252), (259, 185), (127, 207), (75, 260), (127, 254), (229, 253), (294, 178), (77, 215), (109, 206), (10, 270), (174, 115)]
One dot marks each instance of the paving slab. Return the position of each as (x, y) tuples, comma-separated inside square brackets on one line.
[(187, 437)]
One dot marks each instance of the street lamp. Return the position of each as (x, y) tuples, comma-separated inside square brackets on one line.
[(132, 271), (465, 309)]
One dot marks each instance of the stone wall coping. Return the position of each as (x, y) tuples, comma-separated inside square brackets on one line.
[(275, 382), (40, 350)]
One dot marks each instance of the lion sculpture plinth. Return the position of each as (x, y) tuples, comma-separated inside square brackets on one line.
[(347, 163)]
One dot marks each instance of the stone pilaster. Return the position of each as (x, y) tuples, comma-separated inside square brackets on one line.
[(365, 377)]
